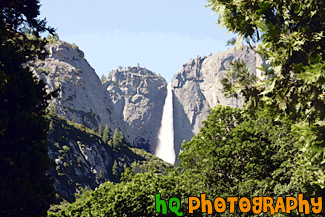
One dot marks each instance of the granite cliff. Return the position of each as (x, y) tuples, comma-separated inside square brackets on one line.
[(83, 159), (197, 88), (82, 98), (132, 104), (132, 99), (138, 95)]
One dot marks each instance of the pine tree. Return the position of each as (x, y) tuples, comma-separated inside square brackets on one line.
[(106, 134), (100, 175), (121, 138), (116, 138), (51, 128), (116, 170), (53, 109), (103, 78), (100, 129)]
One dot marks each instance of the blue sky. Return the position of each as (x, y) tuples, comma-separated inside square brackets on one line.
[(161, 35)]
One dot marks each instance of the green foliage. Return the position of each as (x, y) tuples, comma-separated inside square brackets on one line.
[(118, 139), (52, 39), (231, 41), (106, 134), (103, 78), (135, 197), (26, 189), (292, 40), (100, 175), (238, 81), (65, 148), (79, 161), (53, 109), (51, 126), (151, 162), (116, 171), (234, 155), (100, 129)]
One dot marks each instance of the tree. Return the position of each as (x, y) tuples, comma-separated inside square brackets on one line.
[(53, 109), (103, 78), (116, 138), (231, 41), (291, 39), (133, 197), (26, 189), (106, 134), (100, 129), (116, 171), (235, 155), (121, 138)]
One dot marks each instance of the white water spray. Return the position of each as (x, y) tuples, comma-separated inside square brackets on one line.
[(165, 149)]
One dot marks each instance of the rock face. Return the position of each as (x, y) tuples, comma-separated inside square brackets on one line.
[(197, 88), (138, 95), (82, 97), (82, 159), (132, 99)]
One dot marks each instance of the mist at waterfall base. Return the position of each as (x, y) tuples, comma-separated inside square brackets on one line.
[(165, 149)]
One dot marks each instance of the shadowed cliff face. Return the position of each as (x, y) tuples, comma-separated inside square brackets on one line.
[(197, 88), (138, 95), (81, 159)]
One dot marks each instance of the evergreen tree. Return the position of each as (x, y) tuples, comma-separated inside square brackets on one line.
[(25, 189), (106, 134), (103, 78), (291, 38), (121, 138), (51, 128), (53, 109), (116, 138), (116, 171), (100, 129)]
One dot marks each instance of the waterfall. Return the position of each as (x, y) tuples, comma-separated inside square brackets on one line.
[(165, 149)]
